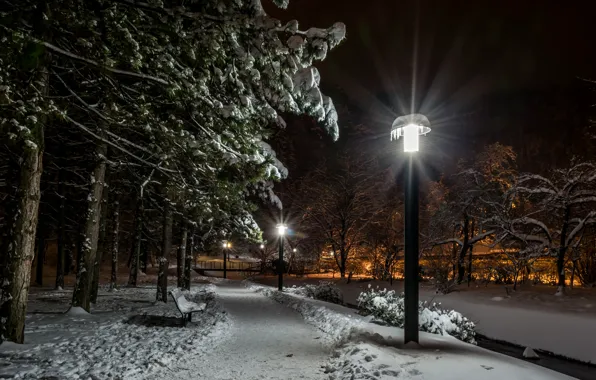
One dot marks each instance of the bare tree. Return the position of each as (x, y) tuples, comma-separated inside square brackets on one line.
[(337, 205)]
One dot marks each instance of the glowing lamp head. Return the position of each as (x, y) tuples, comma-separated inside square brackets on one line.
[(262, 246), (281, 229), (294, 250), (225, 244), (410, 127)]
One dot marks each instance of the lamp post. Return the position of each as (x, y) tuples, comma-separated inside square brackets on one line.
[(281, 230), (226, 245), (411, 127)]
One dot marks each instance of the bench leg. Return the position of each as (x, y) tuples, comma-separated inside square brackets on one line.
[(183, 320), (190, 317)]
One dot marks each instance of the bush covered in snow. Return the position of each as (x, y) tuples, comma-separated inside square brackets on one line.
[(325, 291), (385, 305)]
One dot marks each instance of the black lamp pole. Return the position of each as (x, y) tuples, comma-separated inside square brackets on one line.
[(225, 262), (411, 254), (280, 279)]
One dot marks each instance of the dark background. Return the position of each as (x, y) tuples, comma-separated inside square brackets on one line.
[(482, 71)]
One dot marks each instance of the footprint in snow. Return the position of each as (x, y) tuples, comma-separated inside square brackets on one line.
[(486, 367)]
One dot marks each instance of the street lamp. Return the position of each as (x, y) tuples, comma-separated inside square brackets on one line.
[(226, 245), (411, 127), (281, 231)]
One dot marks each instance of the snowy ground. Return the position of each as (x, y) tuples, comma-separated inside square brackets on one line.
[(532, 316), (266, 341), (245, 334), (126, 337), (369, 351)]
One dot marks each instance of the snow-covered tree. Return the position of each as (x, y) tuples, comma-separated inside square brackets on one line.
[(460, 220), (188, 89), (547, 215)]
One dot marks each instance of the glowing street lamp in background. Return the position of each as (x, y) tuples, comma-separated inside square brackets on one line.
[(226, 246), (281, 231), (410, 127)]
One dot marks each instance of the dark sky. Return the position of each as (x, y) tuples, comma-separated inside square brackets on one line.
[(459, 53), (465, 48)]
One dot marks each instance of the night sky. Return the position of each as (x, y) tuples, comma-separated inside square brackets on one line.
[(458, 52)]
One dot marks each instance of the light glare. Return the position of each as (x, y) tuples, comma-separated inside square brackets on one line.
[(411, 138)]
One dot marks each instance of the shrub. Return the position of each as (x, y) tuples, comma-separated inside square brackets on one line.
[(325, 291), (386, 306)]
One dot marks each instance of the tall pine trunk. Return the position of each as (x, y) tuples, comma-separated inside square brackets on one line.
[(188, 259), (60, 255), (115, 233), (181, 257), (101, 247), (166, 248), (83, 285), (136, 248), (22, 251)]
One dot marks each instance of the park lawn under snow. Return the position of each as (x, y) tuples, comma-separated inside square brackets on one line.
[(127, 336), (369, 351), (531, 317)]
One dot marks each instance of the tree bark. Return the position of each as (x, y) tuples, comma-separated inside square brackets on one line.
[(115, 236), (22, 251), (162, 280), (61, 258), (166, 248), (561, 253), (188, 260), (136, 248), (145, 253), (83, 285), (181, 257), (101, 247), (461, 269)]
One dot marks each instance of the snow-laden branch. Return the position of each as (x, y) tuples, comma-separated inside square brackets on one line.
[(110, 143), (90, 62)]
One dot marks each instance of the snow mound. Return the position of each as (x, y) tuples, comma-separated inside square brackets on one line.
[(529, 353), (78, 311)]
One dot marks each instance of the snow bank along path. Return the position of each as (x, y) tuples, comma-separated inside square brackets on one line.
[(266, 341), (369, 351)]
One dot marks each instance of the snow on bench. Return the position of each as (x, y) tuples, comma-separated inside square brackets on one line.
[(185, 307)]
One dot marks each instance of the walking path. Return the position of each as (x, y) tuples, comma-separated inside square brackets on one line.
[(267, 341)]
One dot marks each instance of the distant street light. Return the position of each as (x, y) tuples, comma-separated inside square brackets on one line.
[(281, 231), (226, 245), (262, 246), (411, 127)]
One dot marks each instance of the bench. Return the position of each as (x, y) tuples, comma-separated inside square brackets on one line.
[(185, 307)]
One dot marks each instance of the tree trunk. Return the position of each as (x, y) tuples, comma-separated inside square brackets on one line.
[(145, 253), (461, 269), (22, 250), (181, 257), (61, 257), (41, 254), (162, 282), (101, 247), (136, 247), (115, 235), (561, 254), (573, 274), (188, 260), (83, 285)]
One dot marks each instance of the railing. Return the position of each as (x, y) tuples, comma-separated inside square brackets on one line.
[(232, 266)]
